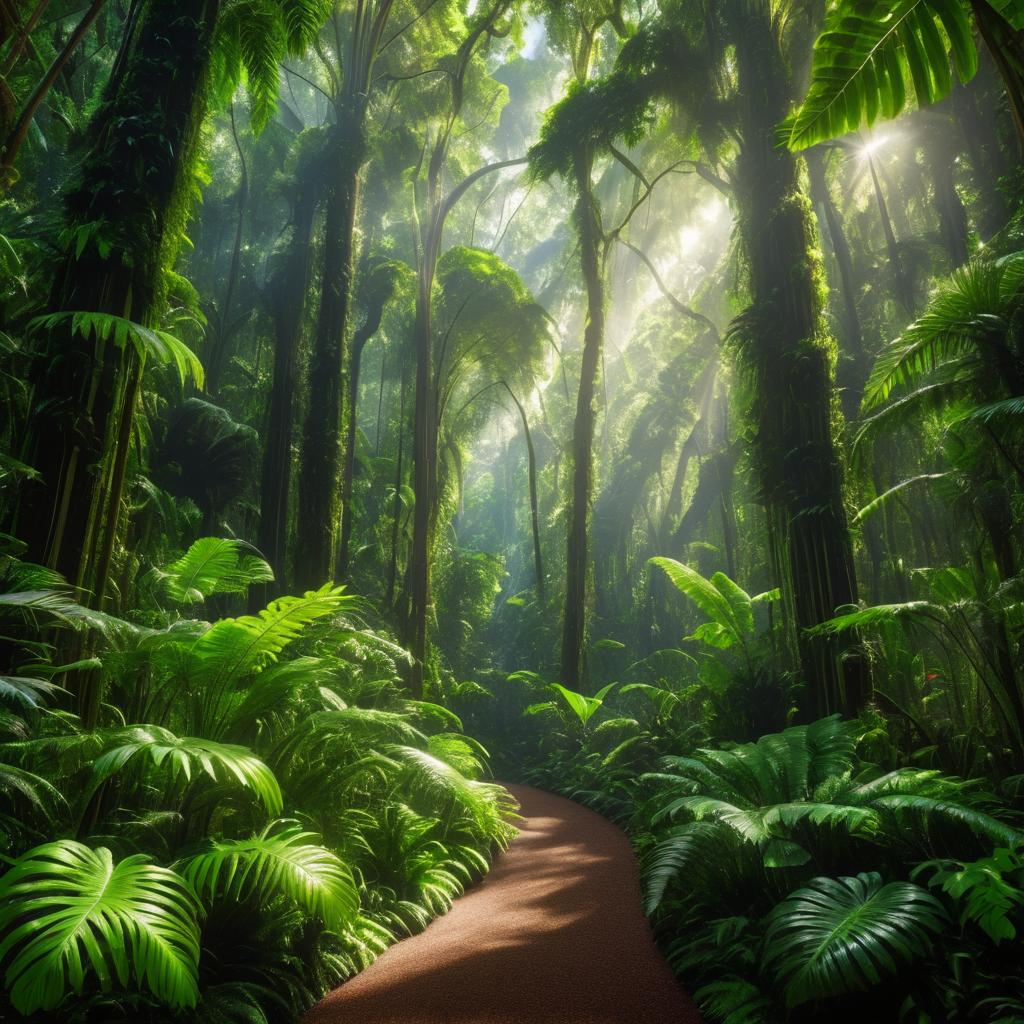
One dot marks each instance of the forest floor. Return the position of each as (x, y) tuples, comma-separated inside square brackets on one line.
[(553, 935)]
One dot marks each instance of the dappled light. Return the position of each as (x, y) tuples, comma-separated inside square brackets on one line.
[(511, 513)]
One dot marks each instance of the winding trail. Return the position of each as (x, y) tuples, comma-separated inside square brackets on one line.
[(553, 935)]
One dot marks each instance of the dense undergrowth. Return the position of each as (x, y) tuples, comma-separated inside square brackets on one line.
[(230, 817), (817, 870), (661, 352)]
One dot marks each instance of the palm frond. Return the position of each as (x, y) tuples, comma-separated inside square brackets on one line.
[(220, 761), (162, 348), (863, 55), (68, 913), (837, 936)]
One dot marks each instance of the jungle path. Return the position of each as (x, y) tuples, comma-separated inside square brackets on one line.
[(553, 935)]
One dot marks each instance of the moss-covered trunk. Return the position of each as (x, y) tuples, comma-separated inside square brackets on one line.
[(287, 308), (789, 357), (125, 218), (320, 466)]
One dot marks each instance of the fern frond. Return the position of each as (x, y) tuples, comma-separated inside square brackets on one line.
[(213, 565), (280, 862)]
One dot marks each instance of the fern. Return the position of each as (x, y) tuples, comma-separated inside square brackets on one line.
[(234, 648), (213, 565), (280, 862)]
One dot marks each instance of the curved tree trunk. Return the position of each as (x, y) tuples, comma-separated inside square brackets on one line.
[(531, 467)]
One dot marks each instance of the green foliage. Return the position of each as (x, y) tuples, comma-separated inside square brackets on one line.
[(212, 565), (591, 117), (987, 891), (837, 936), (68, 911), (220, 761), (280, 862), (582, 706), (159, 346), (864, 56)]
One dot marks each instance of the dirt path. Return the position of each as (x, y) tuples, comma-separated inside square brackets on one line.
[(553, 935)]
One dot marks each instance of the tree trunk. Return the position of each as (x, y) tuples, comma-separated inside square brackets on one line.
[(397, 507), (853, 371), (362, 336), (531, 467), (901, 284), (221, 337), (588, 224), (320, 465), (120, 218), (788, 352), (288, 295), (941, 152)]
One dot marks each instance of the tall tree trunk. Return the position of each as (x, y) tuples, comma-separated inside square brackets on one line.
[(591, 238), (901, 283), (941, 151), (988, 158), (221, 338), (424, 476), (374, 315), (143, 137), (531, 468), (856, 365), (396, 516), (788, 352), (287, 299), (320, 466), (1007, 48)]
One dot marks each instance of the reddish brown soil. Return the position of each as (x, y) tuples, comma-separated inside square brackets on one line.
[(553, 935)]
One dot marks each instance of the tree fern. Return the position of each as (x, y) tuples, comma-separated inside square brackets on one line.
[(862, 59), (69, 913), (837, 936), (968, 316), (280, 862)]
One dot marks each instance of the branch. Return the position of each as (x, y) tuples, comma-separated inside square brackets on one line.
[(463, 186), (678, 306), (309, 82), (629, 165), (704, 171), (643, 199)]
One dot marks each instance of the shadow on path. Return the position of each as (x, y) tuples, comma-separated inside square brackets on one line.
[(553, 935)]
